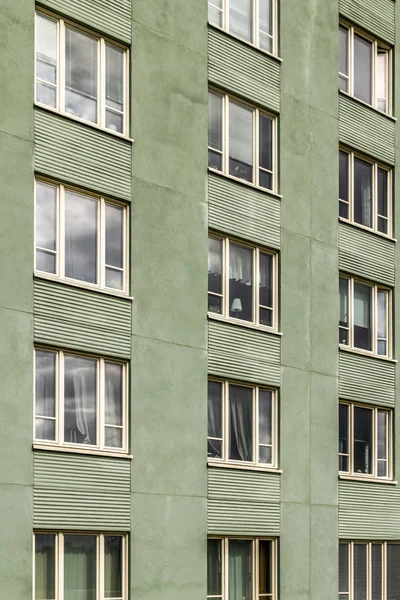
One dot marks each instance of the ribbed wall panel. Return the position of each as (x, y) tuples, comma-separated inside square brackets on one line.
[(78, 154), (73, 318), (243, 502), (241, 353), (366, 254), (366, 379), (375, 16), (238, 210), (110, 17), (243, 70), (366, 130), (81, 492), (369, 511)]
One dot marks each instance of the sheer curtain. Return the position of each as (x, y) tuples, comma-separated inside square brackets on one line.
[(80, 567), (44, 566), (214, 586), (241, 264), (112, 566), (241, 422), (240, 572)]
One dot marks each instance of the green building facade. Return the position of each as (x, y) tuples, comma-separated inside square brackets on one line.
[(113, 372)]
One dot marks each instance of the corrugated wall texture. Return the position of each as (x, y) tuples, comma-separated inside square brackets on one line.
[(243, 502), (365, 379), (245, 71), (110, 17), (81, 492), (81, 155), (70, 317), (369, 511), (241, 353), (375, 16), (244, 212), (366, 130), (366, 255)]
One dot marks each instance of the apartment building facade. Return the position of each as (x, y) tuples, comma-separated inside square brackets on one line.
[(156, 444)]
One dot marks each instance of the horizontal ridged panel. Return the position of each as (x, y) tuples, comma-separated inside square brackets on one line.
[(81, 492), (243, 502), (366, 130), (375, 16), (243, 70), (367, 255), (369, 511), (83, 320), (81, 155), (366, 379), (238, 210), (110, 17), (241, 353)]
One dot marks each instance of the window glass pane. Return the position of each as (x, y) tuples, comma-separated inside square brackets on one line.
[(360, 571), (80, 75), (266, 24), (343, 436), (266, 291), (45, 551), (362, 440), (382, 322), (362, 316), (80, 400), (240, 423), (344, 311), (362, 69), (214, 566), (112, 566), (79, 567), (382, 433), (240, 19), (240, 576), (214, 274), (240, 141), (344, 184), (214, 419), (114, 87), (114, 245), (393, 571), (265, 420), (382, 200), (45, 394), (46, 60), (113, 409), (376, 575), (215, 12), (46, 227), (381, 80), (241, 282), (343, 58), (215, 131), (362, 192), (81, 237), (265, 152), (265, 567), (343, 568)]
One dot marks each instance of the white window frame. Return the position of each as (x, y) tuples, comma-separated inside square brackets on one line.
[(255, 566), (59, 561), (350, 188), (100, 413), (350, 438), (102, 42), (374, 328), (377, 47), (257, 112), (256, 445), (255, 21), (59, 275), (256, 275)]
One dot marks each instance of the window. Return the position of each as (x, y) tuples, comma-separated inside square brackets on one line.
[(242, 423), (87, 566), (369, 570), (254, 21), (241, 569), (241, 141), (365, 192), (365, 316), (364, 440), (80, 401), (81, 238), (364, 68), (81, 74), (241, 282)]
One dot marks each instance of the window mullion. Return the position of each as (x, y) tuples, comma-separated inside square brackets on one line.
[(256, 27), (256, 146), (60, 565), (375, 438), (225, 421), (351, 311), (351, 437), (60, 398), (225, 549), (61, 230), (375, 318), (351, 185), (351, 59), (226, 277), (384, 571), (100, 567), (101, 244), (256, 293), (225, 16), (102, 82), (369, 570), (61, 65), (100, 405), (255, 560), (225, 133), (256, 424), (375, 196), (373, 74)]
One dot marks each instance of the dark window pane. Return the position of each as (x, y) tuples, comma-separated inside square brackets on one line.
[(45, 551), (80, 400), (240, 19), (376, 561), (112, 566), (265, 567), (114, 235), (45, 429), (343, 568), (344, 310), (81, 237), (240, 574), (362, 192), (266, 317), (265, 180), (215, 304), (343, 436), (240, 282), (215, 265), (240, 423), (382, 298), (363, 440), (344, 176), (214, 568), (266, 270), (215, 131), (382, 200), (80, 567), (393, 571), (383, 417), (362, 316), (214, 418), (240, 141), (265, 150), (362, 69), (360, 572)]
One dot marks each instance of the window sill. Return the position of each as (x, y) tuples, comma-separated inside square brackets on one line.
[(367, 229), (54, 111), (246, 183), (363, 353), (243, 467), (367, 479), (245, 42), (380, 112), (82, 286), (229, 321), (73, 450)]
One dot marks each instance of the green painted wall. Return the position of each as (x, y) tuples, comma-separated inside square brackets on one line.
[(16, 297), (309, 299)]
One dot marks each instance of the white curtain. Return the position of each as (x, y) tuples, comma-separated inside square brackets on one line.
[(241, 264)]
